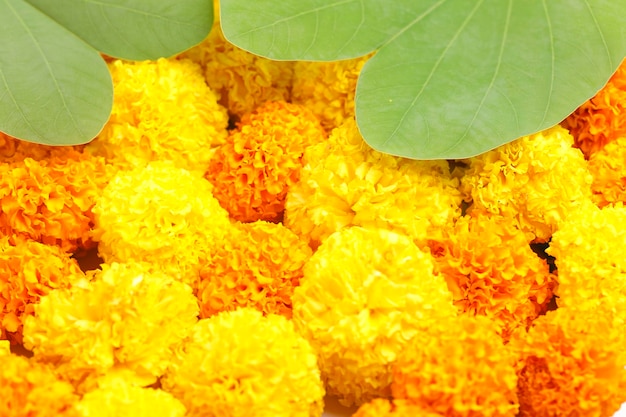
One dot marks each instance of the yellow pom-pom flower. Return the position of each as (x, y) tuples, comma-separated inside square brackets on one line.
[(28, 271), (344, 182), (162, 215), (572, 363), (257, 265), (602, 118), (241, 363), (31, 389), (460, 369), (492, 270), (327, 88), (537, 180), (125, 319), (365, 293), (254, 170), (609, 173), (162, 110), (381, 407)]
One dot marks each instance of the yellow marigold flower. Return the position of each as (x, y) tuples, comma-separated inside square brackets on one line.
[(492, 270), (602, 118), (241, 363), (590, 252), (344, 182), (51, 200), (609, 173), (122, 399), (125, 318), (16, 150), (572, 363), (381, 407), (537, 180), (327, 88), (162, 110), (460, 369), (243, 81), (29, 270), (365, 293), (257, 265), (162, 215), (254, 170), (31, 389)]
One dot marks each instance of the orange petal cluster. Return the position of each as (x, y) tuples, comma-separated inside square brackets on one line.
[(609, 173), (382, 407)]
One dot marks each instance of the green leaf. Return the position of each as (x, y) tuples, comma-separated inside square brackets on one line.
[(54, 88), (131, 29), (451, 78)]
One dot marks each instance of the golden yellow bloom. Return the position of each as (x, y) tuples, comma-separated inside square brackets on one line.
[(492, 271), (572, 363), (162, 110), (261, 160), (327, 88), (241, 363), (124, 319), (344, 182), (51, 200), (381, 407), (243, 81), (29, 270), (257, 265), (365, 293), (609, 173), (31, 389), (122, 399), (602, 118), (461, 368), (537, 180), (162, 215)]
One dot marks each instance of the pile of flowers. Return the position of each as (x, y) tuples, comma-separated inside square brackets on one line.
[(230, 246)]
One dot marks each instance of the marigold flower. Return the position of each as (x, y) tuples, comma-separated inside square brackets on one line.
[(31, 389), (344, 182), (537, 180), (381, 407), (29, 270), (492, 270), (162, 215), (257, 265), (162, 110), (16, 150), (243, 81), (365, 293), (124, 318), (609, 173), (572, 363), (241, 363), (327, 88), (460, 369), (261, 160), (602, 118), (121, 399), (51, 200)]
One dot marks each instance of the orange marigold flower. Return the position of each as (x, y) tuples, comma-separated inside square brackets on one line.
[(51, 200), (572, 363), (258, 265), (364, 294), (253, 171), (243, 81), (241, 363), (381, 407), (31, 389), (602, 118), (28, 271), (327, 88), (492, 270), (162, 110), (162, 215), (609, 173), (16, 150), (344, 182), (537, 180), (460, 369), (126, 319)]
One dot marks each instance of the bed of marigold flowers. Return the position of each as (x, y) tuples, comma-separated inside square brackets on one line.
[(230, 246)]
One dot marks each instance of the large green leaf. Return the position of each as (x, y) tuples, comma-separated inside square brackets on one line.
[(54, 88), (453, 78), (131, 29)]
